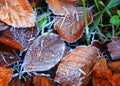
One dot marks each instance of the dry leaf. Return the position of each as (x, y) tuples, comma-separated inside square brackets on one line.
[(71, 27), (7, 55), (57, 6), (44, 53), (43, 81), (15, 82), (7, 38), (101, 74), (76, 66), (25, 36), (114, 66), (17, 13), (114, 48), (5, 74)]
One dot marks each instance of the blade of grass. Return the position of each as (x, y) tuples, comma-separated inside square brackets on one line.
[(97, 5), (86, 22), (112, 3)]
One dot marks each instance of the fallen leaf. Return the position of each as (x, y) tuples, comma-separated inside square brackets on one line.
[(44, 53), (15, 82), (5, 74), (25, 36), (7, 38), (114, 48), (72, 25), (114, 66), (17, 13), (76, 66), (43, 81), (57, 6), (7, 55)]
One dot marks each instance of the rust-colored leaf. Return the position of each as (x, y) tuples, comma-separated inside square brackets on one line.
[(57, 6), (15, 82), (17, 13), (103, 76), (114, 66), (44, 53), (5, 74), (7, 55), (25, 36), (71, 27), (76, 66), (114, 48), (43, 81), (7, 38)]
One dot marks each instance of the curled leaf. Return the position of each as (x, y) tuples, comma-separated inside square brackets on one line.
[(76, 66), (17, 13), (44, 53)]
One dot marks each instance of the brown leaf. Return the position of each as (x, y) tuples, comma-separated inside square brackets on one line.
[(5, 74), (7, 38), (76, 66), (114, 48), (43, 81), (57, 6), (44, 53), (71, 27), (114, 66), (17, 13), (7, 55), (25, 36), (15, 82)]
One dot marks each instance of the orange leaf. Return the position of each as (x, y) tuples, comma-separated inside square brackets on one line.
[(114, 66), (5, 74), (44, 53), (43, 81), (56, 6), (71, 27), (76, 66), (17, 13), (7, 38)]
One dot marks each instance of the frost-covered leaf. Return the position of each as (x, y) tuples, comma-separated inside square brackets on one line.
[(75, 68), (44, 53), (114, 49), (71, 26), (17, 13), (25, 36)]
